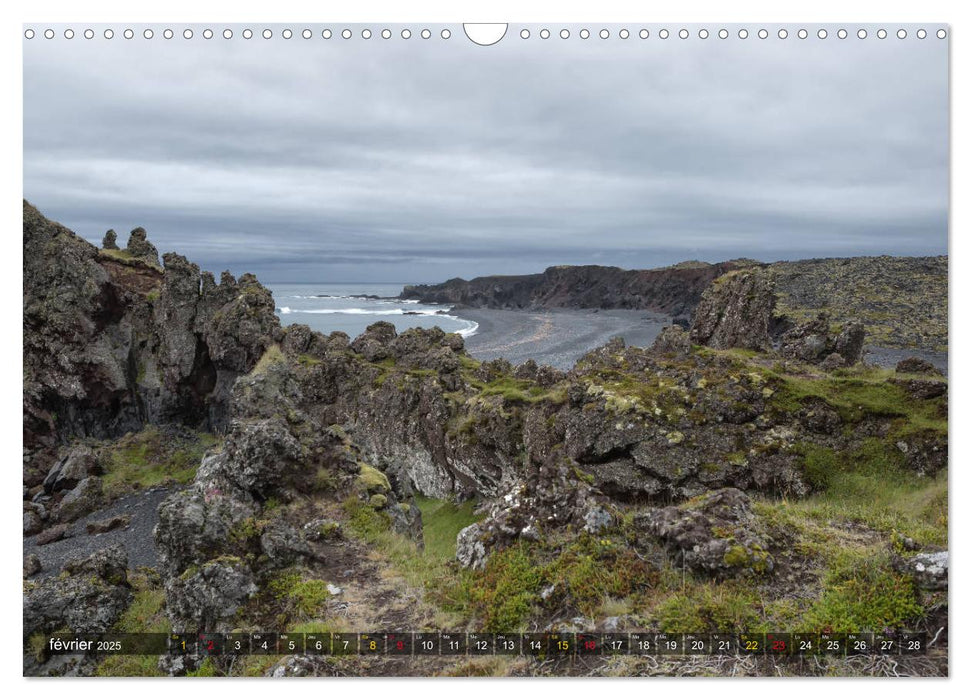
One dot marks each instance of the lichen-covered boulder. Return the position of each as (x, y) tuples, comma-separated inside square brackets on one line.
[(715, 534), (110, 240), (470, 548), (33, 523), (207, 597), (258, 455), (817, 342), (928, 569), (196, 524), (89, 597), (79, 463)]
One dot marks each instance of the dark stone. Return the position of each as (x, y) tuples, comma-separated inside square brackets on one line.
[(107, 525), (51, 534), (32, 565), (139, 246), (84, 498), (916, 365)]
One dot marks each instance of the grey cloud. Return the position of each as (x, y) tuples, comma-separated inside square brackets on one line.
[(415, 161)]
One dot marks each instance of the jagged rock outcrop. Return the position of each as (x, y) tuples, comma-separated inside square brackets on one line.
[(736, 311), (140, 248), (113, 341), (110, 240)]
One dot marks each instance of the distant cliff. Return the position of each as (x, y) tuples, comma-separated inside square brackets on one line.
[(902, 300), (672, 290)]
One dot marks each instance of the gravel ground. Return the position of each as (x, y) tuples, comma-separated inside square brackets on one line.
[(136, 538), (557, 337), (560, 337), (889, 357)]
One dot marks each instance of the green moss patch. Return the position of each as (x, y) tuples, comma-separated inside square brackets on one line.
[(862, 593), (152, 457), (442, 521)]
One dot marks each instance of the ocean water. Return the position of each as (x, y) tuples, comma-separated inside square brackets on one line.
[(348, 308)]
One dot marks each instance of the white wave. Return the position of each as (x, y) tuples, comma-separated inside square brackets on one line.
[(355, 311), (471, 330)]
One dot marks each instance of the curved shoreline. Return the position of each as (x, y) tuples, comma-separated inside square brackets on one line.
[(557, 337)]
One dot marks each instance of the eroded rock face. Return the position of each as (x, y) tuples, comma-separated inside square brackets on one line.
[(736, 311), (88, 599), (715, 534)]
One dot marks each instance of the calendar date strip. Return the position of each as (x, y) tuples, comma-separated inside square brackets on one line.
[(543, 644)]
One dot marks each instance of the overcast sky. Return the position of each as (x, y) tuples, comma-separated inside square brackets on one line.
[(420, 160)]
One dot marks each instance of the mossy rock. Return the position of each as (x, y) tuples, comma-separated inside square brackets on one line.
[(373, 480)]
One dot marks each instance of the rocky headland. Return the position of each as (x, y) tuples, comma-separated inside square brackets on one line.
[(746, 473), (901, 300)]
